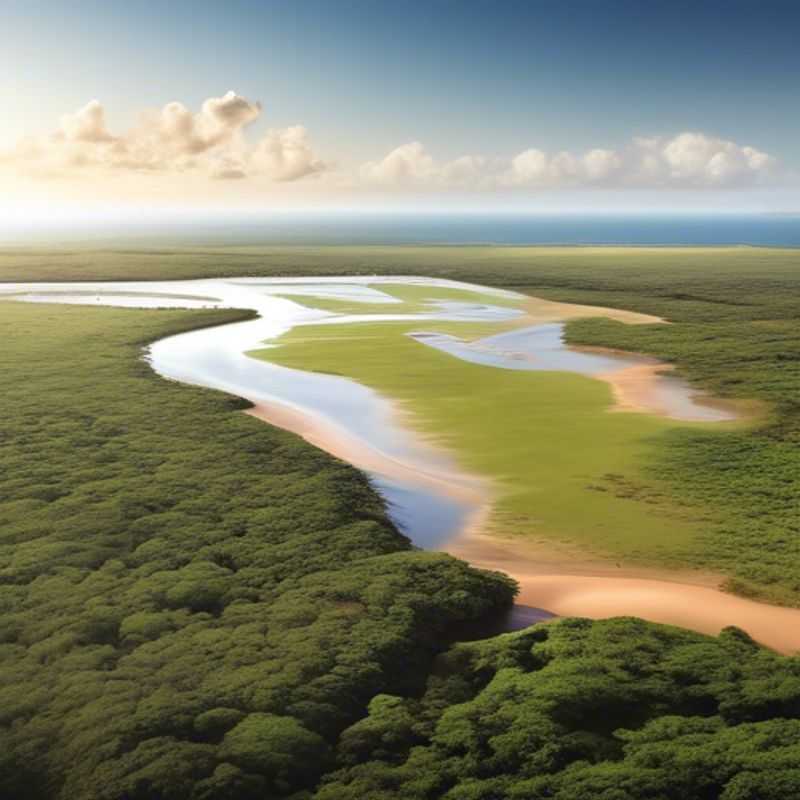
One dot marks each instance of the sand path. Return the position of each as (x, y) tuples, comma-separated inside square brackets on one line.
[(568, 583)]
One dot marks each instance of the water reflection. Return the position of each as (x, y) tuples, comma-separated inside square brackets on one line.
[(217, 358), (542, 347), (428, 518)]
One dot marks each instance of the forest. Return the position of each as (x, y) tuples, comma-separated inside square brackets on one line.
[(617, 710), (196, 605)]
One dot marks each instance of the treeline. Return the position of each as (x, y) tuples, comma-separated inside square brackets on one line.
[(192, 604), (694, 271)]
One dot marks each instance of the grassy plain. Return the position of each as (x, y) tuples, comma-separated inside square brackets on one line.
[(545, 439), (735, 314)]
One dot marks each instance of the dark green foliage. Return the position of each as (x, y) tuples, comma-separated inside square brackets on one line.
[(279, 748), (575, 710), (192, 604)]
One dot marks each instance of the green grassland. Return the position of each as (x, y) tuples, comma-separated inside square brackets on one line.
[(545, 438)]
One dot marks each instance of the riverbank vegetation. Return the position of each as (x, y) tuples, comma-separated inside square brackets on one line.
[(192, 603)]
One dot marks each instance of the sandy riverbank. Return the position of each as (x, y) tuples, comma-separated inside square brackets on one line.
[(538, 310), (553, 576), (650, 389), (338, 442), (568, 583), (646, 387), (643, 387)]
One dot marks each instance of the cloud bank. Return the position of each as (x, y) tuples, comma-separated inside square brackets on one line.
[(172, 139), (688, 159), (214, 143)]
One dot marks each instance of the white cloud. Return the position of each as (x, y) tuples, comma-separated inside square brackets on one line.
[(688, 159), (218, 122), (600, 165), (412, 164), (698, 159), (409, 162), (286, 155), (530, 166), (88, 124), (172, 139), (214, 142), (685, 160), (464, 170), (536, 168)]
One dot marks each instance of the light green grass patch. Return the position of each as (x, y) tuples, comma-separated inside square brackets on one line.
[(564, 467), (341, 306)]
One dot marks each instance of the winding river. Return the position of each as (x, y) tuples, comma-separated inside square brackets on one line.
[(427, 496)]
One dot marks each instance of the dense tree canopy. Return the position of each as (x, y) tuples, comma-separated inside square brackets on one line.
[(192, 603), (575, 710)]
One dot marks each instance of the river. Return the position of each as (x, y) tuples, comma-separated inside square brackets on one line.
[(427, 496)]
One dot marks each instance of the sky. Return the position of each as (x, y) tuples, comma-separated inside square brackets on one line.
[(572, 105)]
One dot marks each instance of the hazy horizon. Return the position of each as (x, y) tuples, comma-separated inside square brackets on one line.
[(359, 227)]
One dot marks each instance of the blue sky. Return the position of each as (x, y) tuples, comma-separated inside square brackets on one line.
[(478, 79)]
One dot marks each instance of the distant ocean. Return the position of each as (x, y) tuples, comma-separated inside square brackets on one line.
[(772, 230)]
